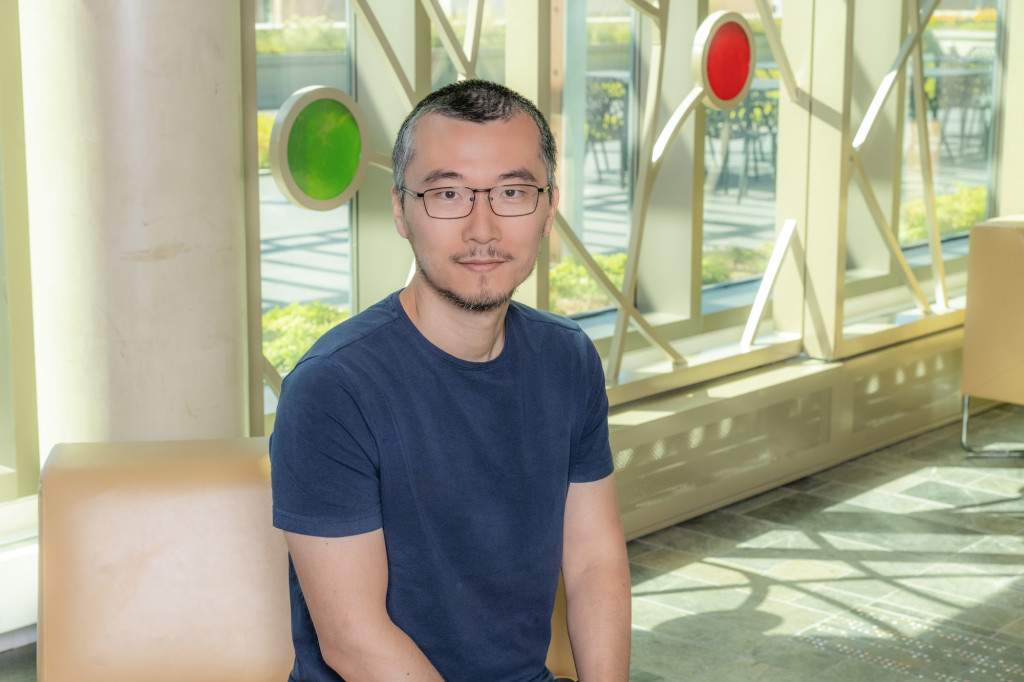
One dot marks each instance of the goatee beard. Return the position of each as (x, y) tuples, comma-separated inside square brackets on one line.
[(476, 306)]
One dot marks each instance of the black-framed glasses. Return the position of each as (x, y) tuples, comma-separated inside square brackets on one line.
[(507, 201)]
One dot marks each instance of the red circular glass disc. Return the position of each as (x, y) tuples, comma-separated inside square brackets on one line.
[(728, 61)]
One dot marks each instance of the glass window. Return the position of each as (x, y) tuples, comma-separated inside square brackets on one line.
[(8, 488), (598, 136), (490, 46), (739, 169), (712, 215), (896, 273), (19, 442), (305, 254), (959, 48), (697, 270)]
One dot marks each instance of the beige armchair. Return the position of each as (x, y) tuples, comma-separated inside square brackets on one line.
[(158, 562), (993, 353)]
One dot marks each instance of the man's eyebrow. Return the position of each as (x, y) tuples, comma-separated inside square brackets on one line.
[(441, 174), (518, 174)]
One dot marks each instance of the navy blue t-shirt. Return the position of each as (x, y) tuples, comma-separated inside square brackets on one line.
[(465, 465)]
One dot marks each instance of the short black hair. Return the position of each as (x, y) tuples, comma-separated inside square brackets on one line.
[(474, 100)]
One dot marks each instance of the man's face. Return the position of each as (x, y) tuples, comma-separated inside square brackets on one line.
[(474, 262)]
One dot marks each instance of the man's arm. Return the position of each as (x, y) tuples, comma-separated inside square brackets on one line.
[(596, 574), (345, 581)]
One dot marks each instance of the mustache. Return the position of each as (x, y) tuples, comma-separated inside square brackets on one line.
[(489, 253)]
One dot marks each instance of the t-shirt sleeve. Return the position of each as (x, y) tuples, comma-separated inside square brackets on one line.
[(593, 457), (325, 472)]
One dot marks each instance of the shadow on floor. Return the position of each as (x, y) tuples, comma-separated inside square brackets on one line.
[(903, 564)]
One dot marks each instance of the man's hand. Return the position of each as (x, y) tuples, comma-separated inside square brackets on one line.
[(596, 574), (345, 581)]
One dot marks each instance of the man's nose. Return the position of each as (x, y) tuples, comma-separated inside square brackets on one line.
[(482, 223)]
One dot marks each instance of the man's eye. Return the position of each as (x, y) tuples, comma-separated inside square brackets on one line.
[(448, 194), (511, 193)]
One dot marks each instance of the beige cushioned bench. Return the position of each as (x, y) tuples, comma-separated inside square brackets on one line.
[(159, 563)]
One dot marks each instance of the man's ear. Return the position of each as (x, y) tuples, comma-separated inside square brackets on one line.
[(549, 219), (398, 212)]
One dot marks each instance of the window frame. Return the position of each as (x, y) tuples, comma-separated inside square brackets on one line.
[(20, 475)]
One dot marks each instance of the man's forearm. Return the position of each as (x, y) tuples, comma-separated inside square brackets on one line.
[(344, 581), (598, 602), (385, 653)]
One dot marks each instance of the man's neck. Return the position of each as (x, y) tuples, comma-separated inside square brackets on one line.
[(468, 335)]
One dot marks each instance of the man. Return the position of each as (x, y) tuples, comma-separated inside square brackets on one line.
[(439, 457)]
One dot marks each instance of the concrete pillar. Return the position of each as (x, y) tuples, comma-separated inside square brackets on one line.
[(133, 115)]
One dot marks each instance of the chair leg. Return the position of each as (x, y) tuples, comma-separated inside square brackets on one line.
[(991, 448)]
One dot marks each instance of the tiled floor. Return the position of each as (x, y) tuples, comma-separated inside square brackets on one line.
[(904, 564), (18, 665)]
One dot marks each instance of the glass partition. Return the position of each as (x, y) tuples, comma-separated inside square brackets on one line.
[(19, 431), (740, 152), (7, 445), (598, 139), (490, 59), (305, 254), (702, 301), (959, 49), (928, 158)]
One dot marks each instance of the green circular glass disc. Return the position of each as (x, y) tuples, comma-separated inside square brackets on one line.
[(323, 149)]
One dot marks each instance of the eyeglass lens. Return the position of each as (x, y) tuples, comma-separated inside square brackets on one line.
[(457, 202)]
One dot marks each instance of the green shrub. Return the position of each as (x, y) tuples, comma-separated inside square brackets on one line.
[(714, 269), (733, 263), (264, 125), (978, 20), (609, 126), (573, 290), (955, 212), (289, 332), (306, 34)]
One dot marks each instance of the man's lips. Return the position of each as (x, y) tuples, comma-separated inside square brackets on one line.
[(482, 261), (481, 265)]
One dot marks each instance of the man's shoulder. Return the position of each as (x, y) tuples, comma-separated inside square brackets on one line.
[(548, 332), (543, 319), (379, 317), (362, 333)]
